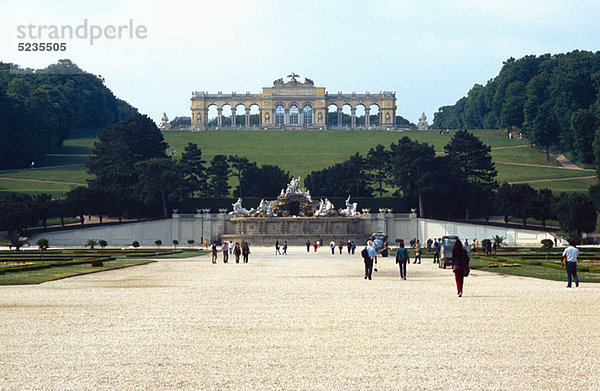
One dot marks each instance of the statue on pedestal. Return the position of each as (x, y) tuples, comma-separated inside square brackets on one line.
[(164, 122), (423, 125), (238, 209), (350, 209)]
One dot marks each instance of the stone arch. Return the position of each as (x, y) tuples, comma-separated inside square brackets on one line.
[(239, 119), (279, 114), (308, 114), (253, 110), (227, 112), (347, 110), (334, 117), (374, 117), (294, 114), (212, 115), (360, 110)]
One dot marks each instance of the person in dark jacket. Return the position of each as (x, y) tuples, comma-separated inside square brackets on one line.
[(402, 258), (460, 265)]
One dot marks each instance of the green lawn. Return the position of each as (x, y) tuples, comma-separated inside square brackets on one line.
[(56, 273), (298, 152)]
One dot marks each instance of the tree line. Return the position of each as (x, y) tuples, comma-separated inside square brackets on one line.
[(41, 108), (553, 99), (134, 177)]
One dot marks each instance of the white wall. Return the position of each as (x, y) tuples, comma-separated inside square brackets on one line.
[(212, 226)]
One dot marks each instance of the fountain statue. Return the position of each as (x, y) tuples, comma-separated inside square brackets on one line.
[(350, 210), (238, 209)]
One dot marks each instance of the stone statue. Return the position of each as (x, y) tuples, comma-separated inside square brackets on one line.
[(238, 209), (423, 125), (350, 210), (326, 208), (265, 208), (278, 81), (164, 122), (308, 82), (294, 187)]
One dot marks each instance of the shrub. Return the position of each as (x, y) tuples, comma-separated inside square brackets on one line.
[(135, 244), (191, 241), (158, 243), (42, 243), (91, 243), (175, 242), (547, 244), (103, 243)]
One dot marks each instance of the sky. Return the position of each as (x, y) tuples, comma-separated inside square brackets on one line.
[(430, 52)]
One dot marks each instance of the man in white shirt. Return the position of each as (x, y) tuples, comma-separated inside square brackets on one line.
[(371, 255), (570, 254)]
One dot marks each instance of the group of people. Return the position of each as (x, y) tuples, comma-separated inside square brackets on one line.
[(229, 248), (278, 247), (350, 246), (460, 258)]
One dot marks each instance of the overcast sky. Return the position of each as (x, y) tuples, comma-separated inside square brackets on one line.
[(430, 52)]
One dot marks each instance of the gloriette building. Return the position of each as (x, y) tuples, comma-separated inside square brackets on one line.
[(295, 105)]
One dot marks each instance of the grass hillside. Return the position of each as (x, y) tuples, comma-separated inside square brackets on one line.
[(301, 152)]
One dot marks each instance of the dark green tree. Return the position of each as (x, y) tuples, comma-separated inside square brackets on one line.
[(159, 182), (412, 170), (218, 176), (576, 212), (192, 166), (378, 164), (471, 164), (239, 165)]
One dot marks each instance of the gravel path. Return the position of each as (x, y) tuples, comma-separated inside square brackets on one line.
[(300, 322)]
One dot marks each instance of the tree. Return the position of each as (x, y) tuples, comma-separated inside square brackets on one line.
[(585, 124), (412, 169), (542, 209), (193, 170), (119, 148), (158, 183), (191, 242), (264, 181), (378, 163), (503, 203), (471, 163), (498, 240), (17, 241), (175, 243), (576, 212), (523, 201), (158, 243), (239, 166), (91, 243), (17, 212), (42, 244), (218, 176), (103, 243), (135, 244)]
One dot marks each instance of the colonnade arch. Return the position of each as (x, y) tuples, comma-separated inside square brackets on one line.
[(293, 104)]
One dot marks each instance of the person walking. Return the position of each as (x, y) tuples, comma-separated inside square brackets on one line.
[(353, 247), (230, 247), (417, 251), (315, 245), (237, 251), (340, 246), (460, 265), (436, 251), (369, 254), (570, 260), (225, 250), (349, 246), (213, 250), (245, 251), (308, 246), (402, 258), (277, 248), (332, 245), (285, 248)]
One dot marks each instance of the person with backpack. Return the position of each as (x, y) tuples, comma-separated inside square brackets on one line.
[(402, 258), (369, 254), (460, 265)]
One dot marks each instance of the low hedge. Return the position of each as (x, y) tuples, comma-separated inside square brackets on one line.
[(38, 266)]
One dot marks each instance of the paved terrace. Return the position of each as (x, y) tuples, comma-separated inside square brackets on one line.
[(300, 322)]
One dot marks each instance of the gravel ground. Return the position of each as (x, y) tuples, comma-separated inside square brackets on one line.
[(304, 321)]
